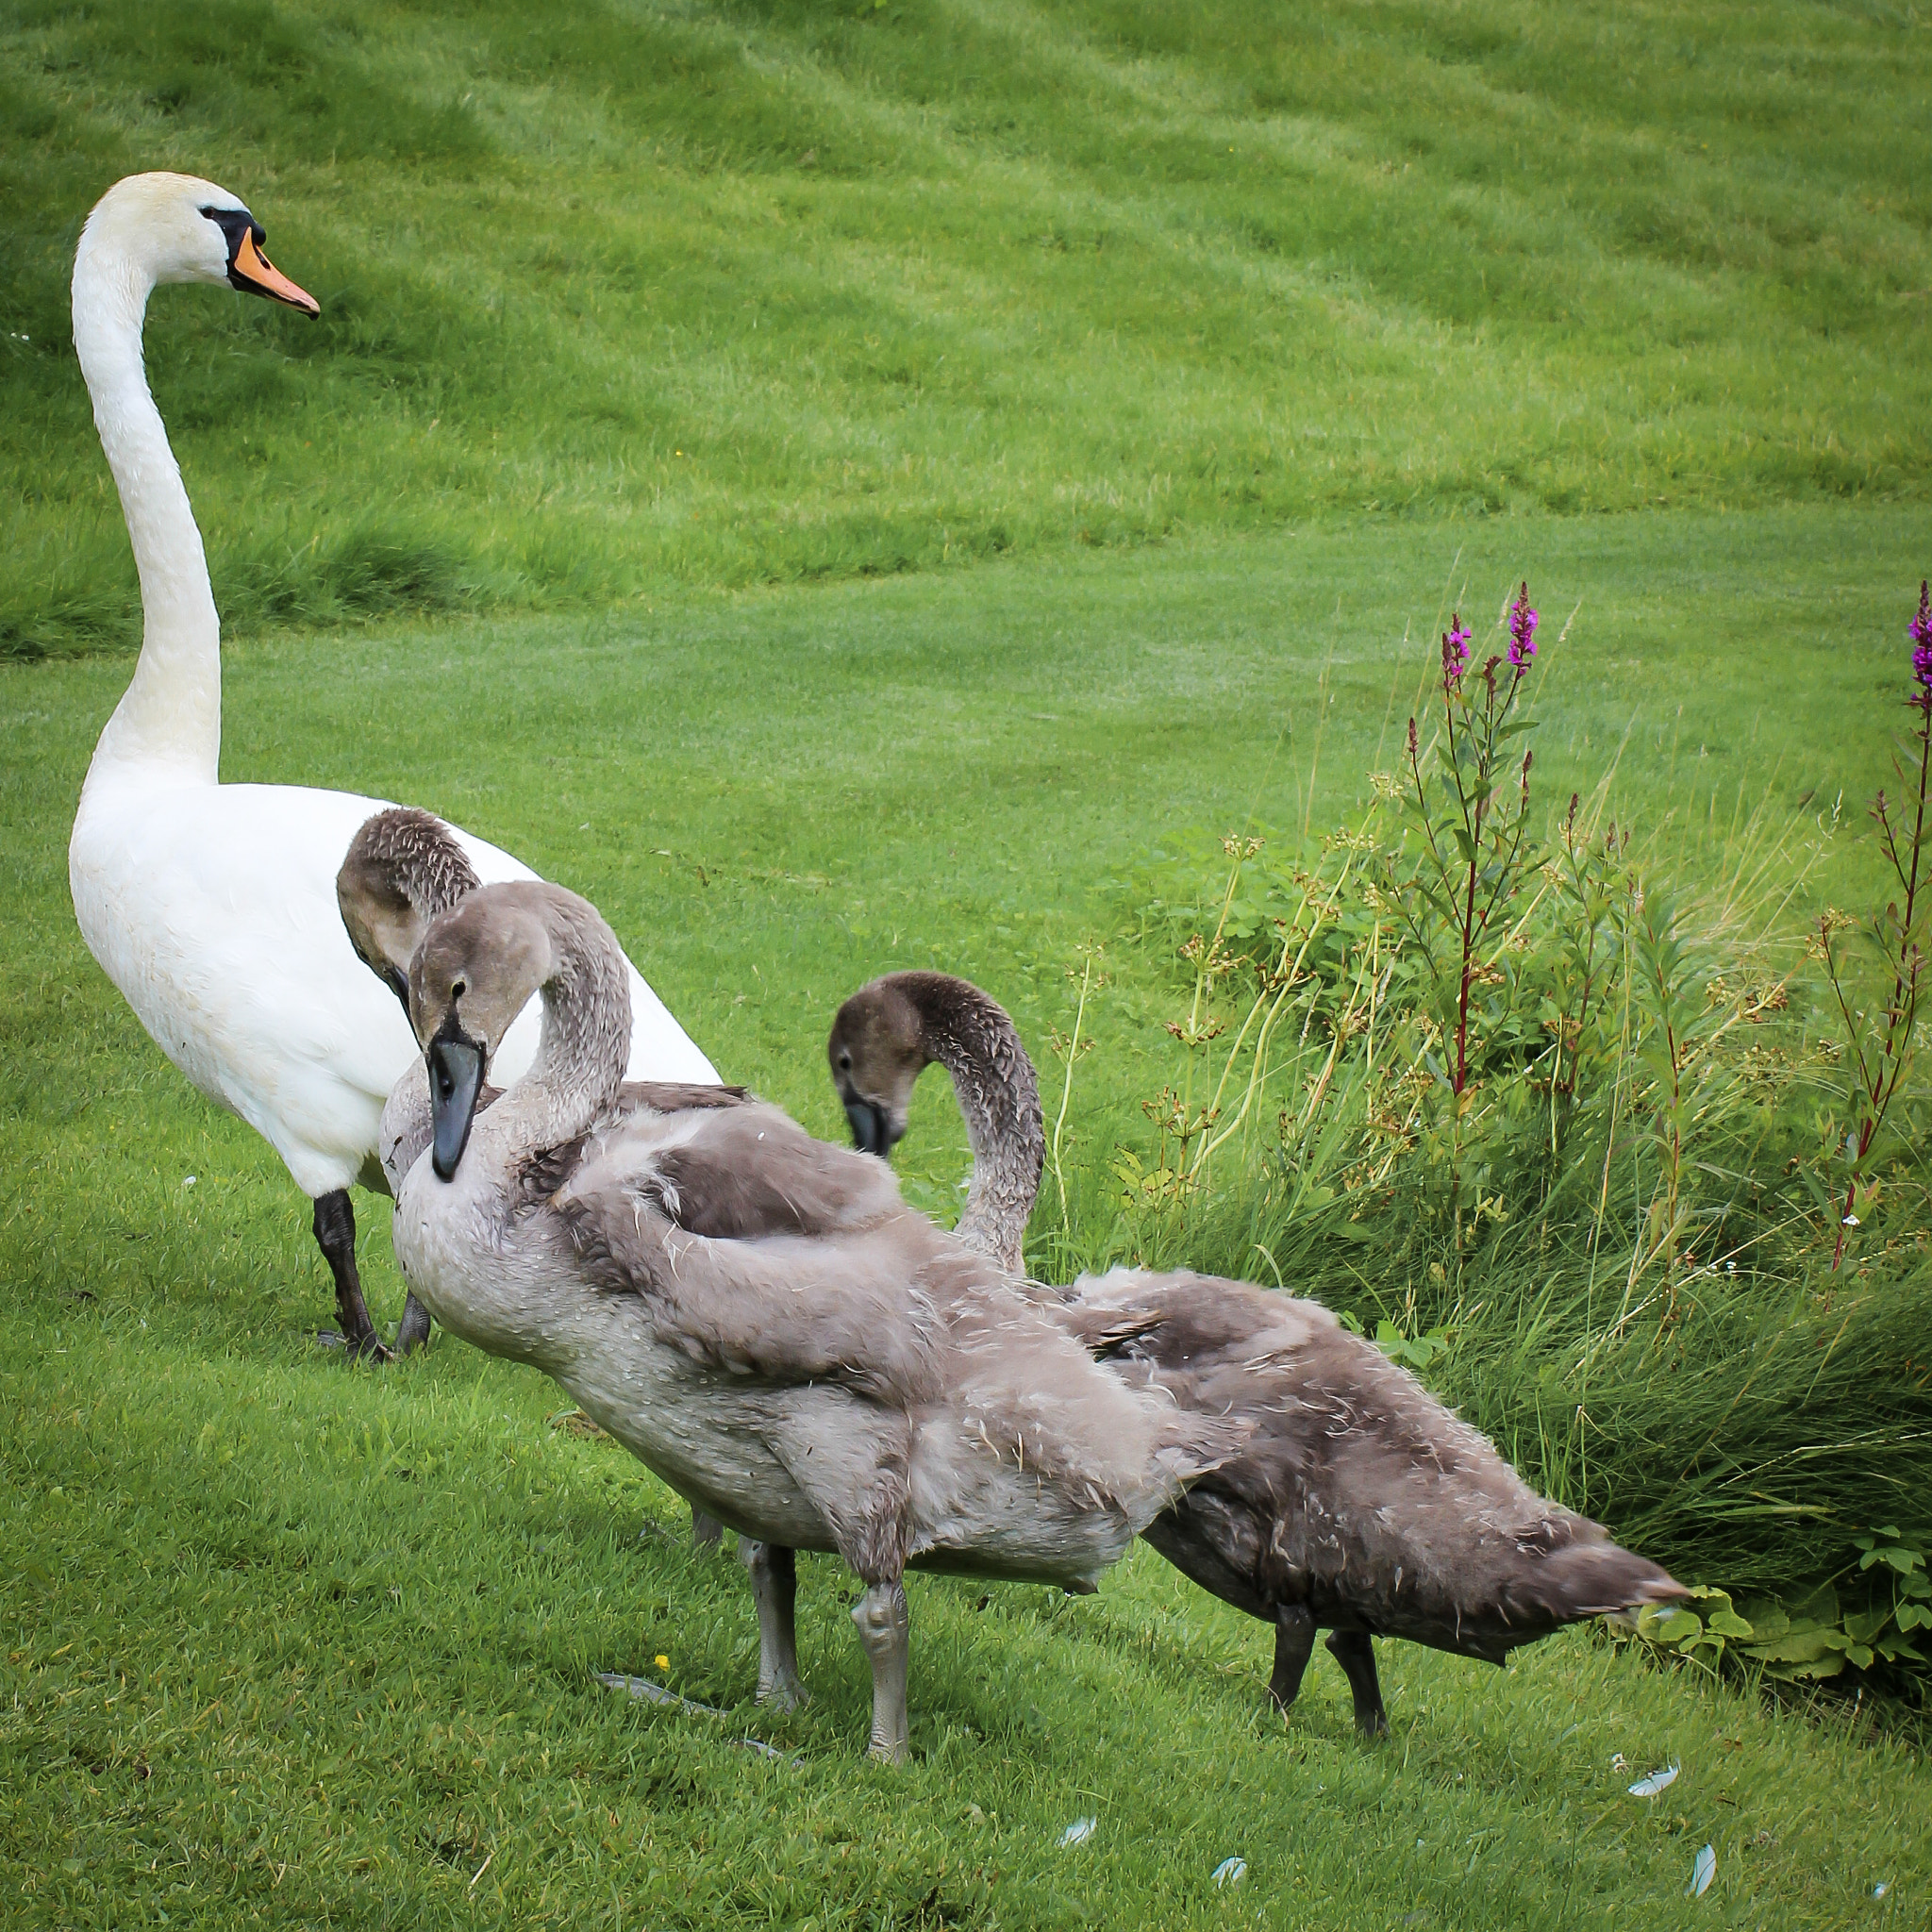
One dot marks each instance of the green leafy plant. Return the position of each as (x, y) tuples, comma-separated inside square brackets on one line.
[(1534, 1104)]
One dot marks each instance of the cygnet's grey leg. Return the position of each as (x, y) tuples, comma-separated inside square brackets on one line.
[(335, 1235), (1355, 1651), (1294, 1642), (774, 1574), (412, 1331), (885, 1629), (706, 1532)]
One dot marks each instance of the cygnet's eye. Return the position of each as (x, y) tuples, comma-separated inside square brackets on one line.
[(844, 1062), (457, 988)]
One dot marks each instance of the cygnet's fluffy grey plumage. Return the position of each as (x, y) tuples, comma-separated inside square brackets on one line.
[(1360, 1504), (404, 869), (754, 1313)]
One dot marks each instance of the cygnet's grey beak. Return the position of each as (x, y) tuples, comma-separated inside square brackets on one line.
[(871, 1132), (456, 1079)]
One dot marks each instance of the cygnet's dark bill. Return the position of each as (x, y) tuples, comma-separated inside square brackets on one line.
[(456, 1081), (871, 1132)]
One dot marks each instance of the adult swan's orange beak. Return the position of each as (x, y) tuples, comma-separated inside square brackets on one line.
[(249, 269)]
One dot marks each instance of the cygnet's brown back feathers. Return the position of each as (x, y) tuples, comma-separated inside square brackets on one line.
[(750, 1174), (762, 1251), (546, 1169), (1359, 1494)]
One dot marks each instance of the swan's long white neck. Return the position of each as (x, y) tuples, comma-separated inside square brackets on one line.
[(170, 720)]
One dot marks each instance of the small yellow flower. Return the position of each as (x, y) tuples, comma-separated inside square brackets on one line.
[(663, 1663)]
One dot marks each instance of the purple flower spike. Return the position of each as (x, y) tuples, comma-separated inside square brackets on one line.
[(1920, 635), (1522, 632), (1454, 652)]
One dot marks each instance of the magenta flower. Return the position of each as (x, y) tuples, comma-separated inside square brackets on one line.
[(1920, 635), (1454, 652), (1522, 632)]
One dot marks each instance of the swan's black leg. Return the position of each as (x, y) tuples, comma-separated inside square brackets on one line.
[(1355, 1651), (412, 1331), (706, 1532), (1294, 1642), (335, 1235)]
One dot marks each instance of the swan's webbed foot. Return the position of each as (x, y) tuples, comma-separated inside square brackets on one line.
[(335, 1235), (706, 1532), (774, 1574), (1295, 1643), (412, 1331), (885, 1629), (1355, 1651)]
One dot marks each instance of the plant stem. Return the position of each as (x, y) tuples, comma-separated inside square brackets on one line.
[(1066, 1089), (1880, 1082)]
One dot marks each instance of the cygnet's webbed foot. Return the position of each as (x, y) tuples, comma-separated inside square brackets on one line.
[(1355, 1651), (885, 1629), (412, 1331), (774, 1573), (706, 1532), (1295, 1643)]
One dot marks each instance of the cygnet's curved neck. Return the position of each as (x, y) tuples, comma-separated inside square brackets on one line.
[(970, 1036), (585, 1046), (171, 715)]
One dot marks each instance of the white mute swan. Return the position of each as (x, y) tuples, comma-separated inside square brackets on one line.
[(1359, 1503), (212, 907), (755, 1314)]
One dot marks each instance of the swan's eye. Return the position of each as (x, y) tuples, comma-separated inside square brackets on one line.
[(844, 1062), (457, 988)]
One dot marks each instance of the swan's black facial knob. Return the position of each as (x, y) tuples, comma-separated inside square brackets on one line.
[(456, 1081)]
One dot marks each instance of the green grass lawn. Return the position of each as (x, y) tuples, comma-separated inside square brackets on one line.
[(844, 486), (741, 290), (292, 1640)]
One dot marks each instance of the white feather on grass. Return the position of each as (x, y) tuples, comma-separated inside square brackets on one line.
[(1078, 1832), (1703, 1872), (1657, 1781)]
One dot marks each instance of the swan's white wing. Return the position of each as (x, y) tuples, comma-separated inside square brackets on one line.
[(213, 909)]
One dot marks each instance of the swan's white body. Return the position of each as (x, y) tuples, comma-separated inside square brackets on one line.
[(211, 906)]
